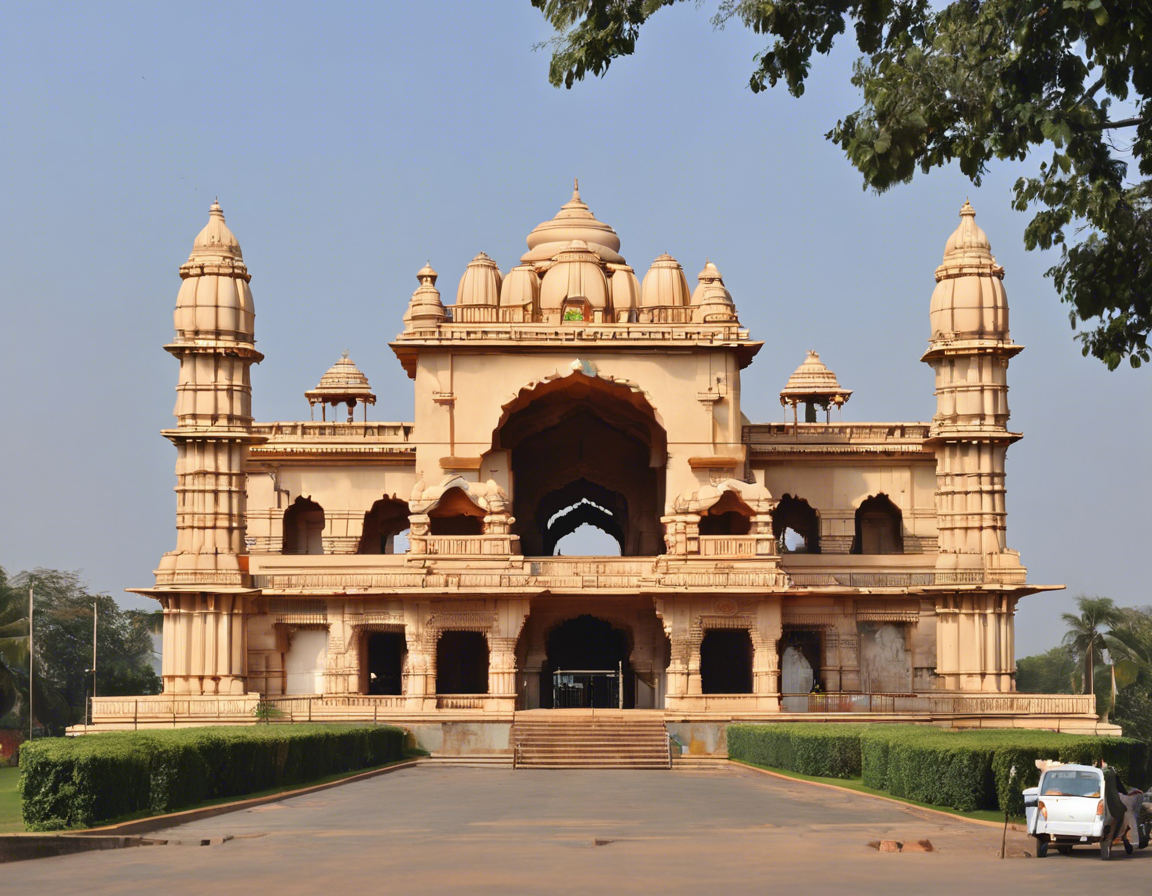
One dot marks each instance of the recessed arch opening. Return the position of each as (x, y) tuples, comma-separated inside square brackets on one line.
[(879, 527), (456, 514), (728, 516), (585, 452), (386, 520), (588, 643), (797, 526), (304, 527)]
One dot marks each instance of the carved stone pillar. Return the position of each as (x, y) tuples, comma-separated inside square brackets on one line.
[(501, 666)]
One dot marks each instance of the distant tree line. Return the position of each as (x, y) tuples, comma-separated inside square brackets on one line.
[(61, 682), (1078, 664)]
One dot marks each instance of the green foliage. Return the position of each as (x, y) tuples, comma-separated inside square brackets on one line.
[(1046, 673), (63, 645), (969, 83), (1085, 637), (964, 770), (821, 750), (84, 781)]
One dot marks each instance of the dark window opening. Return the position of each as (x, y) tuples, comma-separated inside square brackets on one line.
[(386, 520), (797, 515), (726, 661), (879, 527), (462, 663), (384, 658), (304, 527), (456, 514), (728, 516)]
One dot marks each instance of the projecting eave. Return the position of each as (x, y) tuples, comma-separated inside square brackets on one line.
[(621, 338), (159, 591)]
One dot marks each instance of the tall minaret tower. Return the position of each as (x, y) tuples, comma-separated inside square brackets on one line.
[(203, 584), (969, 350)]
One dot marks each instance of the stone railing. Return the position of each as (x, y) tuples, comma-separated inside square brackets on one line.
[(148, 710), (772, 433), (811, 579), (1013, 704), (736, 545), (461, 701), (311, 430), (465, 545)]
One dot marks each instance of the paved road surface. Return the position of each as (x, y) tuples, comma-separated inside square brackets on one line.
[(439, 830)]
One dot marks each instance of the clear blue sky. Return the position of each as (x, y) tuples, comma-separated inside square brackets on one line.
[(350, 143)]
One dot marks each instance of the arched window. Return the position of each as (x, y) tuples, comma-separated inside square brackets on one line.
[(728, 516), (304, 527), (456, 514), (387, 519), (797, 526), (879, 527)]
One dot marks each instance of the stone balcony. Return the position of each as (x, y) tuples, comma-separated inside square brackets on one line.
[(739, 568)]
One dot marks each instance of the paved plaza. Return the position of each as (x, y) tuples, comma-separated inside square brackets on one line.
[(435, 829)]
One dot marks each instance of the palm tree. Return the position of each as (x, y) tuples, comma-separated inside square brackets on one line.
[(1085, 636), (13, 644)]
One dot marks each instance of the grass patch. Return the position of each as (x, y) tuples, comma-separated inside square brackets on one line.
[(857, 785), (10, 819)]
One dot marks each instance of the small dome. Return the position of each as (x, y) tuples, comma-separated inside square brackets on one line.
[(813, 383), (521, 287), (480, 284), (342, 384), (578, 273), (216, 238), (715, 305), (625, 289), (710, 274), (574, 221), (969, 301), (425, 308), (215, 301), (664, 284)]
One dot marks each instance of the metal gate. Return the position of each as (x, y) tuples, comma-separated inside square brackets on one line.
[(588, 689)]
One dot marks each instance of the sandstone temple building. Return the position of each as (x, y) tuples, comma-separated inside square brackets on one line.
[(340, 568)]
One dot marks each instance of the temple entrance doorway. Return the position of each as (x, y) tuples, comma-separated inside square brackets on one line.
[(587, 666), (462, 663), (726, 661), (384, 654)]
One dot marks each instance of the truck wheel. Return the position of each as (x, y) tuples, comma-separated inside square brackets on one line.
[(1106, 848), (1064, 850), (1041, 847)]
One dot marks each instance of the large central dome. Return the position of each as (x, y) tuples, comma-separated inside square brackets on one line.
[(574, 221)]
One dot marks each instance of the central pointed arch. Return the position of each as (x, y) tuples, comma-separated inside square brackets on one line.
[(584, 449)]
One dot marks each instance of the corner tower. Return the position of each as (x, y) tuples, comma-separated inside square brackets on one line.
[(202, 584), (969, 349)]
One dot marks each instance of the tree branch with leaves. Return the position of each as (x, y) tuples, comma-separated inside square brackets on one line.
[(972, 82)]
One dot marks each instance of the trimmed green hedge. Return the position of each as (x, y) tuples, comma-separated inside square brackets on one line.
[(810, 748), (965, 770), (84, 781)]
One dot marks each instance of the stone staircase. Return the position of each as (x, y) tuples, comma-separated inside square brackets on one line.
[(585, 739)]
